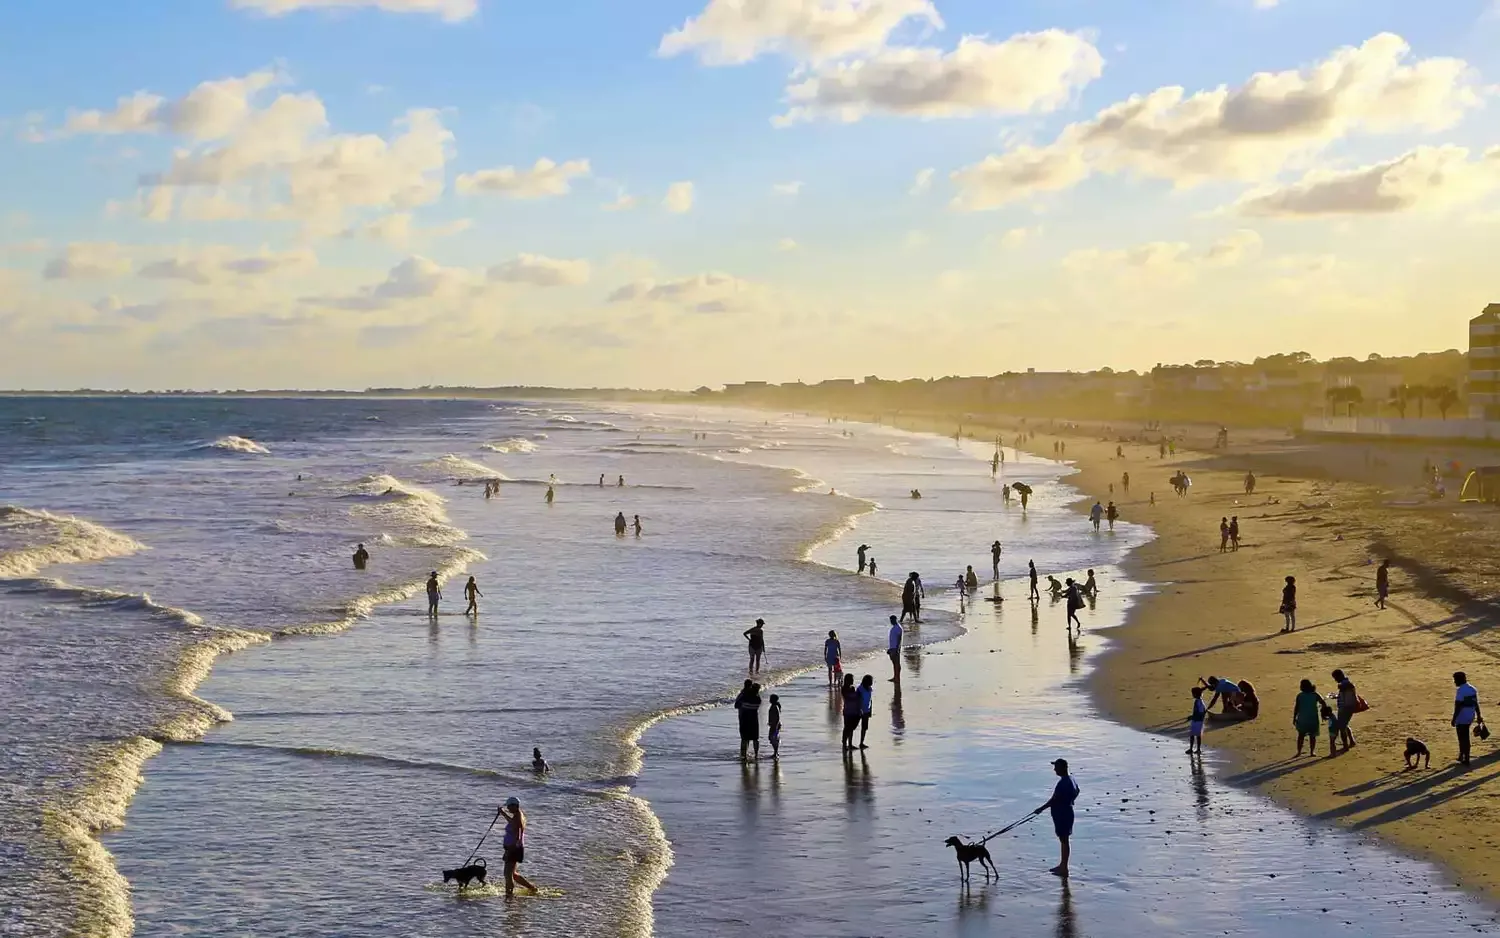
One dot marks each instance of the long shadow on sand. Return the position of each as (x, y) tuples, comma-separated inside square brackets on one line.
[(1412, 797), (1191, 653)]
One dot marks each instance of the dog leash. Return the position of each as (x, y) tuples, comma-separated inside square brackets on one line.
[(1008, 828), (481, 839)]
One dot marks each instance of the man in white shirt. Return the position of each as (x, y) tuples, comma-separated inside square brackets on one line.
[(894, 649), (1465, 713)]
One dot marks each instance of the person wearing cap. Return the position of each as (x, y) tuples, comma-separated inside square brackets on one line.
[(434, 593), (1061, 805), (893, 649), (514, 845)]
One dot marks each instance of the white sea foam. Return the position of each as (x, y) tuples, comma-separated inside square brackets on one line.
[(513, 445), (237, 444), (31, 540), (452, 467)]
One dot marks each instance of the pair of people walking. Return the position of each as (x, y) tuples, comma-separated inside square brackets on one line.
[(858, 703)]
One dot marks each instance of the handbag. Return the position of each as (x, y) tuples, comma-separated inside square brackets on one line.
[(1482, 731), (1359, 704)]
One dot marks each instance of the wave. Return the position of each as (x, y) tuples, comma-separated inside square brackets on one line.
[(235, 444), (416, 516), (513, 445), (31, 540), (452, 467)]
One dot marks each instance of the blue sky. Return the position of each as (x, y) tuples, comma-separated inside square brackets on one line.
[(808, 250)]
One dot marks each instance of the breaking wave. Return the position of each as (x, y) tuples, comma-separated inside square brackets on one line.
[(513, 445), (31, 540), (236, 444)]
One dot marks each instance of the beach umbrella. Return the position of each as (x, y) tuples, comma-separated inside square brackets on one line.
[(1021, 487)]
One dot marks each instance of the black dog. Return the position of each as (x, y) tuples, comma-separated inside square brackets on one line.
[(1416, 751), (465, 874), (968, 853)]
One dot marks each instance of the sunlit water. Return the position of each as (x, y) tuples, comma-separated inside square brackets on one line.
[(369, 745)]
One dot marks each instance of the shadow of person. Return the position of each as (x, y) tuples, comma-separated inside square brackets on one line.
[(1075, 653), (1067, 918), (1200, 788), (913, 656), (859, 785), (898, 714)]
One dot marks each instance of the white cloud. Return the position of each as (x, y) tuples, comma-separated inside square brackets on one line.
[(733, 32), (399, 229), (541, 271), (1027, 73), (211, 111), (704, 293), (1246, 133), (787, 245), (1016, 237), (1426, 177), (543, 180), (787, 188), (916, 239), (416, 278), (192, 269), (679, 200), (450, 10), (1234, 248), (622, 203), (1163, 262), (205, 265), (88, 261), (923, 181)]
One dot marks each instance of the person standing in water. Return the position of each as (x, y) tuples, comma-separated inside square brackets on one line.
[(995, 551), (861, 555), (971, 579), (513, 843), (1075, 603), (434, 593), (773, 726), (747, 705), (893, 649), (909, 598), (1382, 583), (757, 637), (872, 565), (638, 527), (995, 464), (472, 594), (620, 524), (866, 706), (1112, 514), (849, 696), (1061, 806), (361, 557), (1096, 514), (551, 493), (601, 480), (620, 483), (833, 655)]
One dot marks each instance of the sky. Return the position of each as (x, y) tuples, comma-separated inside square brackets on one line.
[(222, 194)]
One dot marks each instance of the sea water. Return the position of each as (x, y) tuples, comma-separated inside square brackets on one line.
[(346, 747)]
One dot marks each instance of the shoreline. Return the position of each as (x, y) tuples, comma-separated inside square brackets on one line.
[(1204, 611)]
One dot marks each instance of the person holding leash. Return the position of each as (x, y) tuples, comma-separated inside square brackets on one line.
[(1061, 806)]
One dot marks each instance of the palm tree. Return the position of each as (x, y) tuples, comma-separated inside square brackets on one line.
[(1348, 394), (1420, 393), (1400, 398), (1445, 397)]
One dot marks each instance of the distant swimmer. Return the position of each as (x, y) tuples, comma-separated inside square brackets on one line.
[(971, 579), (434, 593), (361, 557), (638, 528), (551, 494), (472, 594), (601, 480), (538, 764), (620, 524), (995, 558), (756, 634), (916, 493), (620, 483), (861, 553)]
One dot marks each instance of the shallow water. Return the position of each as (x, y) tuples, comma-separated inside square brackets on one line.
[(370, 744)]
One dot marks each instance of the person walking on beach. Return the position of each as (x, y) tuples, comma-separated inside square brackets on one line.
[(773, 726), (1289, 605), (1061, 806), (909, 597), (513, 846), (1465, 713), (1347, 703), (1096, 514), (866, 706), (1125, 482), (1249, 483), (620, 482), (1234, 533), (1111, 514), (893, 649), (1306, 717), (1005, 493), (1382, 583), (620, 524), (747, 705), (756, 634), (472, 594), (1036, 595), (361, 557), (833, 655), (995, 552), (1075, 603), (849, 694), (995, 464), (1195, 723), (1223, 535), (861, 555), (434, 593), (1091, 585)]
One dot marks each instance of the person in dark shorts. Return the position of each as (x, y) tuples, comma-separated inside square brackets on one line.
[(849, 694), (514, 846), (866, 706), (747, 704), (893, 649), (1289, 605), (1382, 583), (773, 726), (434, 593), (1031, 569), (1061, 806), (756, 634)]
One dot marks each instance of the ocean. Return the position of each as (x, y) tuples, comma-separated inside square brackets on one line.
[(215, 725)]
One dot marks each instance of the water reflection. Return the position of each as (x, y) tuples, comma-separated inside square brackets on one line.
[(898, 716), (1200, 788), (1067, 919), (859, 783)]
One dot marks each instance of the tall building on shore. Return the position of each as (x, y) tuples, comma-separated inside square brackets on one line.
[(1484, 364)]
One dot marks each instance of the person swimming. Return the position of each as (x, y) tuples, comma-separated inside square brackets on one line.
[(538, 764), (361, 557)]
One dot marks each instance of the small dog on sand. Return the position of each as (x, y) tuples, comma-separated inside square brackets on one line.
[(1416, 751), (465, 874), (968, 853)]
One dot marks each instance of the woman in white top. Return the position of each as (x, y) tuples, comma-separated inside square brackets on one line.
[(1465, 713)]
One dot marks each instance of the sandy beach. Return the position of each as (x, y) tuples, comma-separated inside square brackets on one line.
[(1347, 506)]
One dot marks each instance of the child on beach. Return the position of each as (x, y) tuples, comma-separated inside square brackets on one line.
[(1195, 723), (773, 726), (1329, 717)]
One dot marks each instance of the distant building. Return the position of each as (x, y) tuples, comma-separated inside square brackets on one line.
[(1484, 364), (748, 387)]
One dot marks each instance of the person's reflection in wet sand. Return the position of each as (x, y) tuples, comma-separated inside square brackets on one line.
[(775, 784), (835, 708), (1200, 789), (1075, 653), (432, 630), (859, 784), (750, 788), (1036, 618), (898, 717), (913, 656), (1067, 919)]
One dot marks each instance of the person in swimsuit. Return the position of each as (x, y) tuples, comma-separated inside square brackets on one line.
[(1111, 514), (872, 566), (514, 845), (995, 551), (601, 480), (361, 557), (1061, 805), (909, 598), (1195, 723), (551, 494), (434, 593), (833, 653), (620, 483), (893, 649), (472, 594), (773, 726), (638, 528), (1289, 605), (849, 694), (866, 706), (747, 705), (757, 637), (620, 524), (971, 579), (1234, 532), (538, 764)]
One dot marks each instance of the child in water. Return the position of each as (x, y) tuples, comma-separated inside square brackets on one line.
[(773, 726)]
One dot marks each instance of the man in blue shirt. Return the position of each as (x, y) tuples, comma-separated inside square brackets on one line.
[(1061, 805)]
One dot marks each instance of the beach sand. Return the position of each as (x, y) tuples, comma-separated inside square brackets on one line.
[(1217, 614)]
